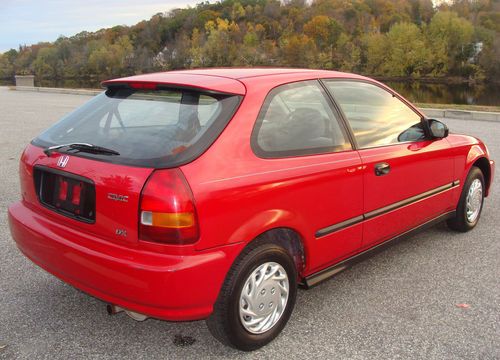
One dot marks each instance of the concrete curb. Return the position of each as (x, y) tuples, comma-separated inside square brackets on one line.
[(432, 113), (89, 92), (462, 114)]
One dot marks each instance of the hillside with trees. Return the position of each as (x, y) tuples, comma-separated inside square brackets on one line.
[(384, 38)]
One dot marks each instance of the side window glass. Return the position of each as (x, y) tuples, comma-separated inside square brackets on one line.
[(296, 119), (376, 117)]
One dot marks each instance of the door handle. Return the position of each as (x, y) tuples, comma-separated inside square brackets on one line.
[(382, 169)]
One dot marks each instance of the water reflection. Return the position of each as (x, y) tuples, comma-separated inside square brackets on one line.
[(484, 94)]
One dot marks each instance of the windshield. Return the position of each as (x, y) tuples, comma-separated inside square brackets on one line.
[(148, 128)]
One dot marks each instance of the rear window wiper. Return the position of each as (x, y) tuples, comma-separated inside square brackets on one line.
[(84, 147)]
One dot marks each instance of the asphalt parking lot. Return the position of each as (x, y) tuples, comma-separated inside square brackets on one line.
[(400, 304)]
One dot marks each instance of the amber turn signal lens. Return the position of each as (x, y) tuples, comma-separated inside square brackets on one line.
[(167, 210), (168, 220)]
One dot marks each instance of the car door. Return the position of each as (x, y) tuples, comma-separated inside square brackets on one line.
[(298, 132), (407, 176)]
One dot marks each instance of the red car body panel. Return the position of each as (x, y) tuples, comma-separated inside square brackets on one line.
[(238, 196), (466, 151), (406, 161), (108, 178), (140, 280)]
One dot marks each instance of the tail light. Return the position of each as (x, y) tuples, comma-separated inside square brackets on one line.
[(142, 85), (167, 210)]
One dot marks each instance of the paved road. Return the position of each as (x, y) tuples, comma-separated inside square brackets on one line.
[(399, 304)]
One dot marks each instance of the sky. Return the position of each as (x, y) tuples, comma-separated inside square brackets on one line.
[(32, 21)]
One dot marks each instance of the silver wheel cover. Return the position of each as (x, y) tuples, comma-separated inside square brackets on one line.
[(264, 297), (474, 201)]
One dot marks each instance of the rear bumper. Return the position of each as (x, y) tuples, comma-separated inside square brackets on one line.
[(169, 287)]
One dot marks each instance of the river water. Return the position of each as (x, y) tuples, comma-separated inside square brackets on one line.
[(484, 94), (415, 91)]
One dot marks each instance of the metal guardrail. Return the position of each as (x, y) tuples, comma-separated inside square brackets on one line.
[(59, 90), (462, 114)]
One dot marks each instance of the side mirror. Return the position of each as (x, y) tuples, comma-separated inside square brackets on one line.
[(438, 129)]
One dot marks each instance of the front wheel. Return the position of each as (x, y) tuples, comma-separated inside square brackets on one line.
[(470, 203), (256, 299)]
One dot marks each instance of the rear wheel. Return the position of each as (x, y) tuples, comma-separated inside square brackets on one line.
[(470, 203), (256, 299)]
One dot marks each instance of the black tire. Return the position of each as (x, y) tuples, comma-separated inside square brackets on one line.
[(460, 221), (224, 323)]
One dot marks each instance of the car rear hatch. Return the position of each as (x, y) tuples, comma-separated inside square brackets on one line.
[(95, 197), (90, 168)]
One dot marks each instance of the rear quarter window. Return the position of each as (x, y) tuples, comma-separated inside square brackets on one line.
[(297, 119)]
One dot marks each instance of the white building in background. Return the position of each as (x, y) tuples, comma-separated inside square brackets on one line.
[(478, 47)]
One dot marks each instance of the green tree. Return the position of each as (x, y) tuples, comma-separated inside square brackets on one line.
[(112, 59), (196, 49), (238, 12), (377, 37), (220, 48), (489, 59), (376, 48), (24, 60), (408, 54), (347, 55), (452, 34), (48, 63), (6, 67)]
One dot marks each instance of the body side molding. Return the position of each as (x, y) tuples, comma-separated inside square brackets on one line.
[(369, 215), (316, 278)]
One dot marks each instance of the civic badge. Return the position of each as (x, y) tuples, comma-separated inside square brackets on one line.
[(63, 161)]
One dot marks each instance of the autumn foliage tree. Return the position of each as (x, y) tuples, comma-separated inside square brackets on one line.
[(397, 38)]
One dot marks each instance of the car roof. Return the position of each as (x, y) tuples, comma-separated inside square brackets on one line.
[(242, 73), (230, 80)]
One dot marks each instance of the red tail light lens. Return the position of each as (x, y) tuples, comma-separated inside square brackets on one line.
[(142, 85), (167, 211), (63, 189), (77, 191)]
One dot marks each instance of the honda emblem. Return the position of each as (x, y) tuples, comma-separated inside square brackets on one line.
[(63, 161)]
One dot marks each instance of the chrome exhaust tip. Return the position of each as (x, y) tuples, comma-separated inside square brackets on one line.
[(113, 309), (136, 316)]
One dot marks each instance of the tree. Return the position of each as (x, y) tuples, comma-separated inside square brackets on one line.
[(454, 34), (6, 68), (347, 56), (489, 59), (112, 59), (408, 54), (220, 47), (48, 63), (376, 51), (7, 61), (323, 30), (377, 37), (238, 12), (298, 50)]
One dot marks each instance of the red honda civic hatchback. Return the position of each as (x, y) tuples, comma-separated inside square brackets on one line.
[(213, 194)]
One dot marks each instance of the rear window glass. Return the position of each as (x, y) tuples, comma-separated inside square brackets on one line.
[(150, 128)]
